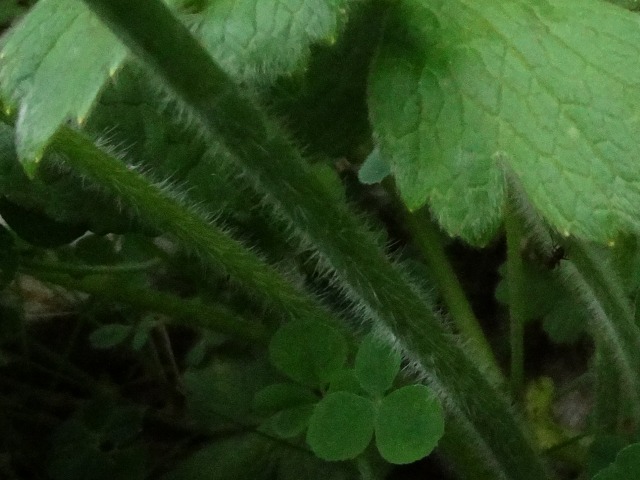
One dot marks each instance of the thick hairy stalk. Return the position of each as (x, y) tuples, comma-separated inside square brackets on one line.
[(215, 104), (174, 216)]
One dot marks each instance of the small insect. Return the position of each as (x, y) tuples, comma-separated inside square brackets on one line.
[(543, 259), (553, 260)]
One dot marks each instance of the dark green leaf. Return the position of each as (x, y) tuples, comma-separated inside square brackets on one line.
[(244, 457), (377, 365), (409, 425), (626, 466), (341, 426), (308, 352), (282, 395)]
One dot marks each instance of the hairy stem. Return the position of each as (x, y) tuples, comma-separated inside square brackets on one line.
[(216, 105), (168, 211)]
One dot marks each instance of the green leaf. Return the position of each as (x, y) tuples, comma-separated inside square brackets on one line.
[(108, 336), (461, 88), (290, 422), (626, 466), (244, 457), (257, 37), (308, 352), (280, 396), (374, 169), (603, 451), (345, 380), (51, 73), (341, 426), (377, 365), (409, 425), (225, 391)]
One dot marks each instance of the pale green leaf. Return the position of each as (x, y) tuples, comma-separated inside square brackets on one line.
[(250, 38), (460, 88), (53, 64), (374, 169)]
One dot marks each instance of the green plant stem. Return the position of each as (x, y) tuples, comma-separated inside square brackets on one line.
[(595, 285), (170, 212), (516, 280), (75, 269), (612, 320), (216, 106), (427, 238), (188, 312)]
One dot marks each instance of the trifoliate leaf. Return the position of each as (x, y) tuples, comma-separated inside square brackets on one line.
[(341, 426), (52, 73), (377, 365), (308, 352), (461, 88), (409, 425)]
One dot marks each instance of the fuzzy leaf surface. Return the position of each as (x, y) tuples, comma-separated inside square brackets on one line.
[(460, 88)]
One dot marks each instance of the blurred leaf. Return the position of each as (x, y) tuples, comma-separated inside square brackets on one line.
[(279, 396), (341, 426), (308, 352), (223, 392), (409, 425), (8, 257), (625, 467), (299, 465), (289, 422), (377, 365), (109, 336), (243, 457), (98, 443), (603, 451)]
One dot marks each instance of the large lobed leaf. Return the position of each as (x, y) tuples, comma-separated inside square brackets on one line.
[(548, 87)]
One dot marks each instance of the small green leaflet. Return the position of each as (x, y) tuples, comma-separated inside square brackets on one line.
[(549, 88)]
